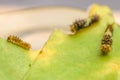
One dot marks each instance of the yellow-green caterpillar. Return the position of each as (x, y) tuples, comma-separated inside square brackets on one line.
[(79, 24), (107, 40)]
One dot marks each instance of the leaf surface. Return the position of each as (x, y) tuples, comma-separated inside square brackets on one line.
[(66, 56), (78, 57)]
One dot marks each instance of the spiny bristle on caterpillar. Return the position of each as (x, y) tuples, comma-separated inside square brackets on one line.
[(17, 41), (106, 41), (93, 19), (79, 24)]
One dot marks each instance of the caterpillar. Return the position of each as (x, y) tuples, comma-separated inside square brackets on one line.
[(79, 24), (17, 41), (107, 40)]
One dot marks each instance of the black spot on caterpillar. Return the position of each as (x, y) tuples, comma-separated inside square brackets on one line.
[(79, 24), (107, 39), (17, 41)]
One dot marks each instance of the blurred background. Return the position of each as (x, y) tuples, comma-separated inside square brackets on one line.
[(10, 5), (35, 20)]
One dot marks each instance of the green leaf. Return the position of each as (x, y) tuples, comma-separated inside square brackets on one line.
[(14, 61), (78, 57), (65, 56)]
